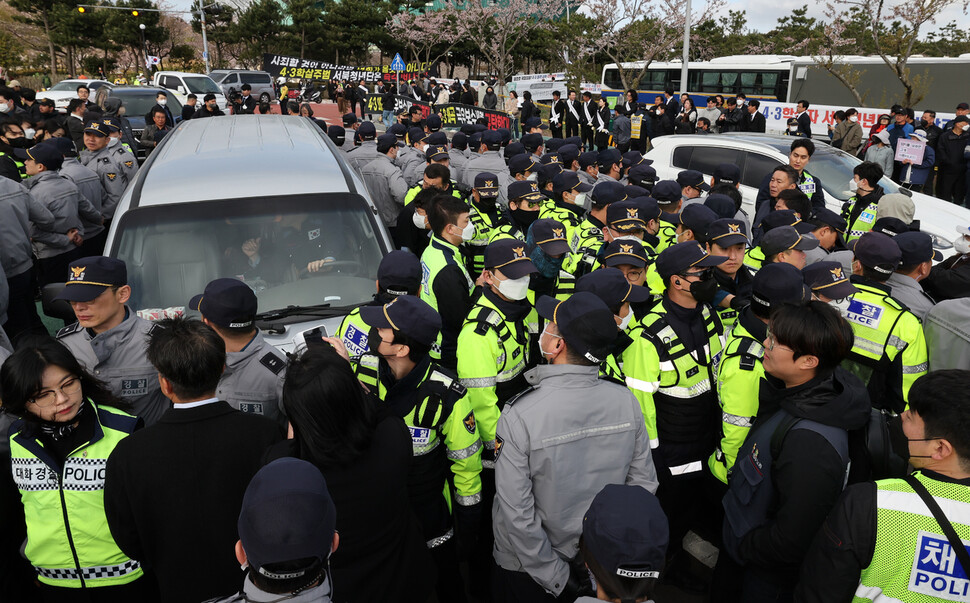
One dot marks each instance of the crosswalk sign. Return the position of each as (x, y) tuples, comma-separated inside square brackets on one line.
[(398, 63)]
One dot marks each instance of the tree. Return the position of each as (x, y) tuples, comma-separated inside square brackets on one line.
[(642, 31), (257, 29), (430, 35), (895, 29), (498, 27), (219, 28), (306, 25), (835, 42), (41, 12)]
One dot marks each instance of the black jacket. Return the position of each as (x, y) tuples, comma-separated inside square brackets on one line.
[(247, 105), (188, 112), (755, 123), (845, 545), (807, 474), (949, 151), (732, 120), (805, 124), (204, 112), (173, 492), (950, 279), (527, 111)]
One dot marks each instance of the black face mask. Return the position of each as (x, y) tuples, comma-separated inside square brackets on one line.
[(373, 340), (19, 143), (525, 217), (704, 291)]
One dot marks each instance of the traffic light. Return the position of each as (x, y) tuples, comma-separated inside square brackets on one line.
[(134, 13), (80, 9)]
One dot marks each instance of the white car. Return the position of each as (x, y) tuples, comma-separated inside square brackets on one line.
[(63, 91), (182, 84), (758, 154)]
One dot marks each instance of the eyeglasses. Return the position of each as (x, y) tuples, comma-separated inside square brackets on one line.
[(773, 343), (702, 275), (48, 398), (634, 275)]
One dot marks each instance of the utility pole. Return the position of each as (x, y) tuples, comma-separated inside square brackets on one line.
[(205, 39), (683, 66), (144, 45)]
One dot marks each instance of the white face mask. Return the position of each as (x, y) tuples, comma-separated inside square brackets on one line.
[(853, 185), (792, 128), (545, 332), (113, 141), (625, 321), (532, 177), (514, 289), (965, 127), (4, 107), (842, 305), (962, 245), (580, 199), (468, 232), (162, 101), (854, 118), (29, 133), (626, 238), (418, 221)]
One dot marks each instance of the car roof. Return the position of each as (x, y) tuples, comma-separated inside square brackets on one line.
[(152, 89), (181, 73), (774, 142), (241, 156)]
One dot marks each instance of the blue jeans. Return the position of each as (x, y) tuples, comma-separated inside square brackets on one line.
[(387, 118)]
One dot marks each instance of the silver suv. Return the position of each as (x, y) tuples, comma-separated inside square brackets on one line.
[(231, 81)]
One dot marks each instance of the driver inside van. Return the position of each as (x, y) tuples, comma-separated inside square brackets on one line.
[(293, 246)]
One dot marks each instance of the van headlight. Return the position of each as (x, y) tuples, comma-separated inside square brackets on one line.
[(940, 242)]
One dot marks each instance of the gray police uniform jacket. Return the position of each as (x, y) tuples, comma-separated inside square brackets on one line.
[(457, 160), (119, 358), (61, 196), (907, 290), (360, 156), (544, 439), (414, 172), (348, 144), (412, 163), (253, 380), (126, 160), (89, 185), (19, 212), (587, 178), (493, 162), (112, 175), (252, 594), (387, 187)]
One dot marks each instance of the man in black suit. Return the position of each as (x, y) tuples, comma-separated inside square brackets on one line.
[(586, 119), (247, 102), (574, 110), (173, 491), (754, 121), (557, 113), (161, 101), (672, 104), (804, 119)]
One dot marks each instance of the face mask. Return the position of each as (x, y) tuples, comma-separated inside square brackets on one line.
[(4, 108), (842, 305), (113, 141), (853, 185), (704, 291), (525, 217), (792, 128), (468, 232), (545, 332), (547, 266), (514, 289), (962, 245), (580, 200), (19, 143), (626, 238), (418, 221), (625, 321), (29, 133), (162, 102), (965, 127), (533, 177), (854, 118)]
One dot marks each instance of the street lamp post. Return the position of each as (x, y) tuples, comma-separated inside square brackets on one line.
[(205, 39), (144, 45), (683, 65)]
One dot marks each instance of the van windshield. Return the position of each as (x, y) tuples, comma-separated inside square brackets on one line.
[(202, 85), (292, 251)]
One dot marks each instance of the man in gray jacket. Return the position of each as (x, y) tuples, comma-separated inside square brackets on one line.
[(360, 156), (89, 185), (101, 159), (19, 212), (385, 182), (569, 423), (57, 247), (916, 263)]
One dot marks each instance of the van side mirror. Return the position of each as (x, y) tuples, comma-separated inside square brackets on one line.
[(181, 89)]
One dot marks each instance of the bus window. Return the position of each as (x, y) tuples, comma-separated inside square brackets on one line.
[(681, 157), (749, 83), (729, 82), (710, 81), (705, 159), (611, 79), (756, 167)]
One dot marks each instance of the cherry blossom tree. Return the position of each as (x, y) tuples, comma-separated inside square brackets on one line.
[(429, 35)]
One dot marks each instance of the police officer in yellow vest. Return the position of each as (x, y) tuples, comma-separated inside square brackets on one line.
[(900, 540), (445, 283), (444, 433), (727, 237), (589, 234), (740, 371), (667, 194), (889, 352), (399, 273), (58, 450), (568, 201), (859, 212), (631, 260), (525, 200), (670, 368), (486, 215)]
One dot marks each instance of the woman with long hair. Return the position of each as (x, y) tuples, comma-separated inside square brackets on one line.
[(364, 453), (69, 424), (687, 119)]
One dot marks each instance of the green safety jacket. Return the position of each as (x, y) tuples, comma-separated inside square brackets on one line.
[(493, 354), (438, 254), (414, 190), (866, 215), (667, 236), (889, 351), (21, 166), (585, 243), (68, 540), (675, 388), (444, 430), (566, 216), (754, 259), (485, 226), (353, 332), (506, 231), (739, 375), (913, 561)]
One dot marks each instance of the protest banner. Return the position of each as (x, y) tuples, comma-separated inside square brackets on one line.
[(777, 114), (296, 68), (453, 115), (374, 103), (912, 150)]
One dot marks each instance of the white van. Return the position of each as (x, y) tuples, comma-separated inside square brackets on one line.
[(182, 84), (254, 197)]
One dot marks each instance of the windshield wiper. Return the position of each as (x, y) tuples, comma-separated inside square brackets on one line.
[(314, 310)]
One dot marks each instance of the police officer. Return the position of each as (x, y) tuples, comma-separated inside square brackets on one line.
[(890, 540), (366, 152), (101, 159), (253, 378), (610, 163), (588, 236), (458, 158), (434, 155), (588, 170), (411, 158), (525, 199), (399, 273), (670, 368), (109, 339), (485, 214), (385, 182), (740, 369), (444, 432), (727, 238), (917, 257), (690, 224), (859, 212), (123, 153), (829, 282), (667, 193), (445, 283), (89, 185), (547, 249), (889, 351), (830, 230), (553, 426), (799, 155), (784, 244), (351, 125), (568, 201), (490, 160)]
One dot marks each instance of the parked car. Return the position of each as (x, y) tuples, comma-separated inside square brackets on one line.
[(63, 91), (231, 81), (758, 154), (138, 101), (183, 84), (215, 186)]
